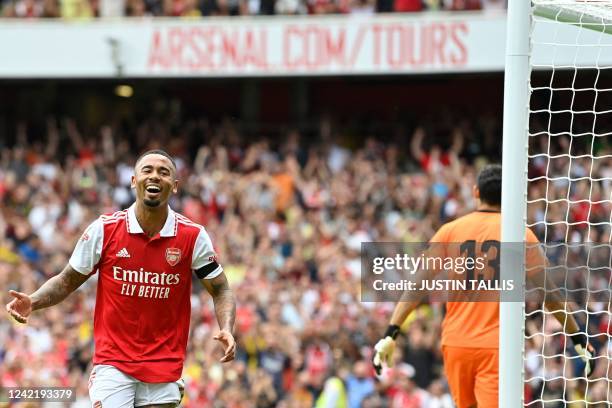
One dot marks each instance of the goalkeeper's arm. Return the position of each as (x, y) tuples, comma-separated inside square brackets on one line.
[(585, 350), (383, 350), (537, 261)]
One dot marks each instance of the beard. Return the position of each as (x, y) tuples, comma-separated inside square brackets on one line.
[(151, 203)]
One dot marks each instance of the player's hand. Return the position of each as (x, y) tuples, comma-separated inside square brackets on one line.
[(383, 353), (586, 351), (229, 345), (20, 307)]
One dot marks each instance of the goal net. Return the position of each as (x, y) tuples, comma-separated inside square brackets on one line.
[(569, 198)]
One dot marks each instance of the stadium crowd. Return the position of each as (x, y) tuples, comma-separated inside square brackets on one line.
[(566, 207), (70, 9), (287, 216)]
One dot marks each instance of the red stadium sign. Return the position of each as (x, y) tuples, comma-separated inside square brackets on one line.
[(270, 46), (308, 47)]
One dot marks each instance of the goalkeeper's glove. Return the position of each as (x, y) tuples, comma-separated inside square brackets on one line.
[(383, 350), (586, 352)]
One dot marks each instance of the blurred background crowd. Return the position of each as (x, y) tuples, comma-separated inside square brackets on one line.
[(569, 207), (79, 9), (287, 215)]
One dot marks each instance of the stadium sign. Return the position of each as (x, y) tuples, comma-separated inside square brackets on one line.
[(312, 47), (255, 46)]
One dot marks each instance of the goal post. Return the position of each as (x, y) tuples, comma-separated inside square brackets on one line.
[(514, 204), (557, 180)]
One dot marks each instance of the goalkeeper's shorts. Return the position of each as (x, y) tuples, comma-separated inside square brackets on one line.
[(109, 387), (473, 376)]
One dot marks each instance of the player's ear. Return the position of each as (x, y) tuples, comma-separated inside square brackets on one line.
[(476, 192), (133, 183), (175, 187)]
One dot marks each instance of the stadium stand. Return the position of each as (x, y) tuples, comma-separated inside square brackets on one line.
[(288, 215), (70, 9)]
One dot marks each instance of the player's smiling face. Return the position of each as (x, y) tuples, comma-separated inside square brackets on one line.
[(154, 180)]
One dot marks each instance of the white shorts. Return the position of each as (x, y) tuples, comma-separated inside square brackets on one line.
[(109, 387)]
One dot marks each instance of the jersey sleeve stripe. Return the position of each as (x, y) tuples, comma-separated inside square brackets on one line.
[(110, 217), (183, 218), (189, 223), (112, 220), (115, 214), (107, 218)]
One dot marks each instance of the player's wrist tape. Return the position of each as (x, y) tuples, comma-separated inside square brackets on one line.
[(579, 339), (206, 270), (392, 331)]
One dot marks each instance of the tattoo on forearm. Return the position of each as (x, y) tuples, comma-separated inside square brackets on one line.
[(57, 288), (225, 304)]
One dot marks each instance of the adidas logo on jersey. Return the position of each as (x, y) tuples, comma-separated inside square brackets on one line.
[(123, 253)]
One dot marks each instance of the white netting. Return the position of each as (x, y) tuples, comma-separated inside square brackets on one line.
[(569, 202), (596, 14)]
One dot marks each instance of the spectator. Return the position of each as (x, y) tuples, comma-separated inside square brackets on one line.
[(77, 9), (463, 4), (288, 222), (362, 7), (282, 7), (84, 9), (494, 4), (112, 8), (359, 384), (404, 6), (438, 397), (28, 9)]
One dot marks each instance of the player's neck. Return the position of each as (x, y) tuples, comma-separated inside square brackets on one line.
[(488, 208), (150, 219)]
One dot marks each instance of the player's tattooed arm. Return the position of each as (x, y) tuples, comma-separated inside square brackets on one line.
[(225, 309), (57, 288), (223, 299), (50, 293)]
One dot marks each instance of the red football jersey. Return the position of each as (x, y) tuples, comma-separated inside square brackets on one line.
[(143, 307)]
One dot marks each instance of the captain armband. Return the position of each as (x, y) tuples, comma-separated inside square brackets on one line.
[(206, 270)]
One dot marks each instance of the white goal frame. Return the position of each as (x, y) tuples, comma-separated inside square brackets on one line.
[(514, 198), (589, 14)]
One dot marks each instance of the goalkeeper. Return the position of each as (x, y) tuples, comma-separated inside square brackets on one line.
[(470, 332)]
